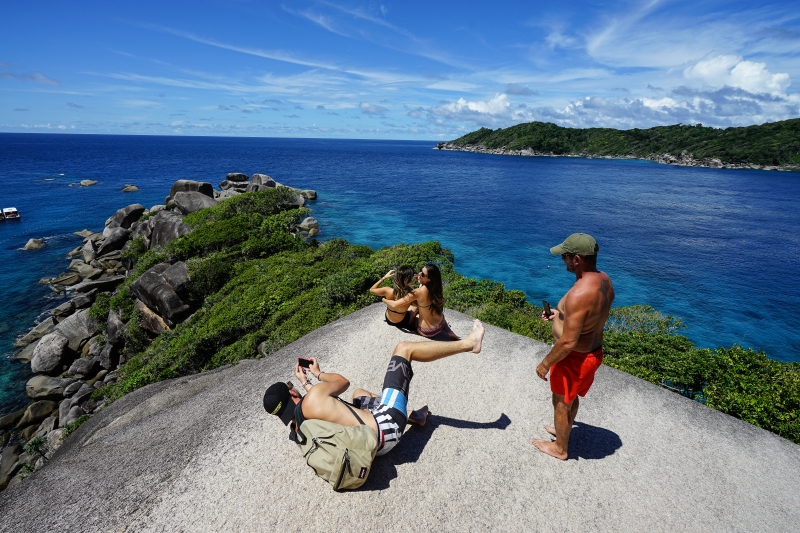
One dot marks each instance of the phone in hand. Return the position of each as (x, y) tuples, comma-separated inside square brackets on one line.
[(304, 362), (547, 310)]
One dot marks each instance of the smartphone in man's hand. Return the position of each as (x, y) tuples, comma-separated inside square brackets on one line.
[(304, 362), (546, 306)]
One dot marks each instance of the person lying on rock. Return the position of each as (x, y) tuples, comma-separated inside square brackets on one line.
[(400, 314), (386, 413)]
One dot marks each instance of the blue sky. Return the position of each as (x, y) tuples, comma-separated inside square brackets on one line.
[(393, 70)]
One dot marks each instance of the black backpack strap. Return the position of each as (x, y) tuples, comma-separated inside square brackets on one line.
[(299, 418), (348, 404)]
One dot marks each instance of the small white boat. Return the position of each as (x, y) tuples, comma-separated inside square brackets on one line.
[(10, 213)]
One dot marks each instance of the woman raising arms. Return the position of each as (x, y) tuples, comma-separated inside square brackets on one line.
[(398, 313)]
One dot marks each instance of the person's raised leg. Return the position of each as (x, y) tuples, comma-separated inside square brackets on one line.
[(558, 449), (572, 414), (427, 351)]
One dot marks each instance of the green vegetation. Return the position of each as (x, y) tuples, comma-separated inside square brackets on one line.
[(72, 426), (253, 283), (776, 143)]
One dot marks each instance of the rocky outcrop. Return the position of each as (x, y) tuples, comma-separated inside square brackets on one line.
[(77, 328), (115, 240), (36, 333), (262, 179), (102, 285), (189, 202), (125, 217), (685, 159), (36, 412), (236, 177), (46, 387)]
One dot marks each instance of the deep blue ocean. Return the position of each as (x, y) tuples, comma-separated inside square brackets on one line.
[(718, 248)]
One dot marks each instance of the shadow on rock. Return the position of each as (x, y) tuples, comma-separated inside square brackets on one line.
[(414, 440), (592, 442)]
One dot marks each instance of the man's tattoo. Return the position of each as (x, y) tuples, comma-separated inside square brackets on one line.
[(604, 286)]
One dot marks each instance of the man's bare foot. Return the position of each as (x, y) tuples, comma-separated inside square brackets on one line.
[(551, 430), (550, 448), (419, 416), (476, 336)]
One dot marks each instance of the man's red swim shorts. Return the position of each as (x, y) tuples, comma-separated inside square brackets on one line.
[(573, 375)]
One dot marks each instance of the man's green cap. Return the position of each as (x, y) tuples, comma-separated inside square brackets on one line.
[(577, 243)]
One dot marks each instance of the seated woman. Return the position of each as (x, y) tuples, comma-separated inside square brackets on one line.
[(430, 303), (398, 313)]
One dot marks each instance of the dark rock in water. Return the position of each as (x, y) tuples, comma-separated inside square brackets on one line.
[(262, 179), (202, 187), (126, 216), (88, 183), (168, 226), (46, 388), (49, 353), (236, 177), (115, 240), (102, 284), (75, 253), (109, 357), (130, 188), (308, 223), (36, 333), (82, 368), (150, 321), (11, 420), (156, 292), (83, 233), (189, 202), (33, 244), (9, 464), (115, 328), (36, 412)]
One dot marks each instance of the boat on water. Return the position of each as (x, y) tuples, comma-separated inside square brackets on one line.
[(10, 213)]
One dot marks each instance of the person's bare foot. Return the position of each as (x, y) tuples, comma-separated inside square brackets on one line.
[(551, 430), (476, 336), (419, 416), (550, 448)]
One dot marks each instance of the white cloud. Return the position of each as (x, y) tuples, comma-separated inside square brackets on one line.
[(370, 109), (733, 71)]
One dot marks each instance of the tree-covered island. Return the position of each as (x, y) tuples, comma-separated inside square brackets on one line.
[(771, 146)]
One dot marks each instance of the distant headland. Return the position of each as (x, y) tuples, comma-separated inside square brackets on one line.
[(771, 146)]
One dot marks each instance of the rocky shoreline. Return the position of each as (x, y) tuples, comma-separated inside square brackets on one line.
[(685, 159), (72, 353)]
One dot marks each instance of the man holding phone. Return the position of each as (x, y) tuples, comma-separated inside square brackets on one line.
[(385, 413), (578, 323)]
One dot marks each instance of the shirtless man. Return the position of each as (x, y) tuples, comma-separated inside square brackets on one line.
[(386, 413), (578, 324)]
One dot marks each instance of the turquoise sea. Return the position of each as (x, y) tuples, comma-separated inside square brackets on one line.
[(718, 248)]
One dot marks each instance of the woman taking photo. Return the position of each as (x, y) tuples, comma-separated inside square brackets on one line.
[(398, 313)]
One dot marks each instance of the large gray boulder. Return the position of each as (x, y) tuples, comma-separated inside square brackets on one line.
[(78, 329), (33, 244), (262, 179), (202, 187), (236, 177), (36, 412), (115, 240), (223, 195), (49, 353), (42, 329), (46, 388), (26, 354), (11, 420), (189, 202), (158, 294), (252, 187), (177, 277), (167, 227), (74, 413), (126, 216), (309, 194), (109, 357), (308, 223)]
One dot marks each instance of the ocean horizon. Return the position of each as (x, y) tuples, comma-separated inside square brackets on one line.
[(712, 247)]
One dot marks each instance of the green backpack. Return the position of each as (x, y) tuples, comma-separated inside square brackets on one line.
[(341, 455)]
